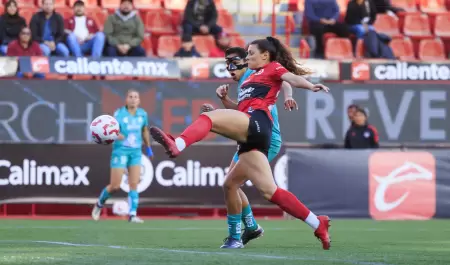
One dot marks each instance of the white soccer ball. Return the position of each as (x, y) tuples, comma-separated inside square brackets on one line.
[(105, 129), (120, 208)]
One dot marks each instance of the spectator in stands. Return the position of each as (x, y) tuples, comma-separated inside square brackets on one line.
[(10, 25), (83, 35), (24, 46), (351, 109), (361, 14), (124, 31), (47, 28), (361, 135), (187, 49), (223, 42), (384, 6), (200, 17), (322, 16)]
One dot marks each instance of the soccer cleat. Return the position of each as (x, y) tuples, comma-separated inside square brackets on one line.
[(232, 243), (166, 140), (322, 231), (135, 219), (96, 212), (248, 235)]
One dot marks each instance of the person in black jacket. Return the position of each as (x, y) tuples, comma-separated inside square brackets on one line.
[(187, 49), (200, 17), (47, 28), (361, 14), (10, 25), (361, 135), (383, 6)]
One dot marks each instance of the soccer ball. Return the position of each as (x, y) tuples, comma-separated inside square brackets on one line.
[(120, 208), (105, 129)]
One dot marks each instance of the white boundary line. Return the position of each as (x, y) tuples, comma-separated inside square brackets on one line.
[(232, 254)]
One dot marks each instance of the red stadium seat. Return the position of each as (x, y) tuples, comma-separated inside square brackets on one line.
[(27, 13), (99, 16), (87, 3), (417, 25), (387, 24), (225, 20), (168, 46), (432, 6), (159, 22), (237, 41), (342, 5), (175, 4), (359, 51), (407, 5), (110, 4), (304, 50), (147, 45), (328, 35), (441, 26), (58, 3), (338, 49), (27, 3), (203, 44), (147, 4), (432, 50), (65, 12), (218, 4), (403, 48)]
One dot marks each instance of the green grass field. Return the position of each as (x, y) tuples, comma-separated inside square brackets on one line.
[(190, 242)]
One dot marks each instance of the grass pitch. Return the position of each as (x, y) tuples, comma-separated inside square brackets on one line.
[(160, 242)]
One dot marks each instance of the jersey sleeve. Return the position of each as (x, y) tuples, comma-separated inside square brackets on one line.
[(277, 70)]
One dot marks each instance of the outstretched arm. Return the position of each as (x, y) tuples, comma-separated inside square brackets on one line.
[(289, 101), (300, 82)]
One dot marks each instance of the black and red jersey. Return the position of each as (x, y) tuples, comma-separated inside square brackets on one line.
[(261, 89)]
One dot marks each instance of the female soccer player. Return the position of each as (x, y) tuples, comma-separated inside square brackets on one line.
[(251, 127), (127, 154), (238, 69)]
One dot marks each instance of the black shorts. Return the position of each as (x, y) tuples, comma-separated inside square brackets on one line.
[(259, 133)]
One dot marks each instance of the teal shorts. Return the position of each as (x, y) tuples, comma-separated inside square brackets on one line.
[(273, 152), (126, 158)]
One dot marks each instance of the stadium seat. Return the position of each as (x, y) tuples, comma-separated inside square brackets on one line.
[(328, 35), (403, 48), (26, 3), (432, 6), (304, 49), (441, 26), (65, 12), (342, 5), (159, 22), (99, 16), (27, 13), (237, 41), (417, 25), (338, 49), (407, 5), (387, 24), (147, 4), (58, 3), (110, 4), (203, 44), (225, 20), (87, 3), (219, 5), (432, 50), (175, 4), (168, 46), (147, 45), (359, 51)]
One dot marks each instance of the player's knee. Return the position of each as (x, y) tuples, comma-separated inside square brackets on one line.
[(229, 184), (267, 192)]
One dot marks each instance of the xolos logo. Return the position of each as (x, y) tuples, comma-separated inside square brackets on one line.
[(402, 185)]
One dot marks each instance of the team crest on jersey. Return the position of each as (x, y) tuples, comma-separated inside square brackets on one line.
[(125, 120), (140, 119), (259, 72)]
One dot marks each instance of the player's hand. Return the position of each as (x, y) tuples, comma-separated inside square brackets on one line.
[(319, 87), (222, 91), (207, 108), (290, 104), (120, 137)]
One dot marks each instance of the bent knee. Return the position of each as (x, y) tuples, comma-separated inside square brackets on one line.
[(230, 184), (268, 192)]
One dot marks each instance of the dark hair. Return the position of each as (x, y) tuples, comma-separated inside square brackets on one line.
[(78, 3), (241, 52), (278, 52), (11, 2), (131, 90), (353, 106), (361, 110)]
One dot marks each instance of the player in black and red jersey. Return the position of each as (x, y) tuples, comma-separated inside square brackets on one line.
[(251, 127)]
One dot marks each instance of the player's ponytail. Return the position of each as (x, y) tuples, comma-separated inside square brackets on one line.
[(285, 58)]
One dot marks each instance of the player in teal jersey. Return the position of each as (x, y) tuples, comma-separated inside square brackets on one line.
[(236, 66), (127, 154)]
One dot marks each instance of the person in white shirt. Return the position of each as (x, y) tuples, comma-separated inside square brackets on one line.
[(83, 35)]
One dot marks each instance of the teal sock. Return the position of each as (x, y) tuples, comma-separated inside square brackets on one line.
[(248, 219), (133, 201), (103, 197), (234, 225)]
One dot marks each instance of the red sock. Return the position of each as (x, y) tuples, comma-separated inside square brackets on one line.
[(198, 130), (290, 204)]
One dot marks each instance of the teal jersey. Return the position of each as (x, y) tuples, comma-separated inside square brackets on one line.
[(131, 128), (276, 133)]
